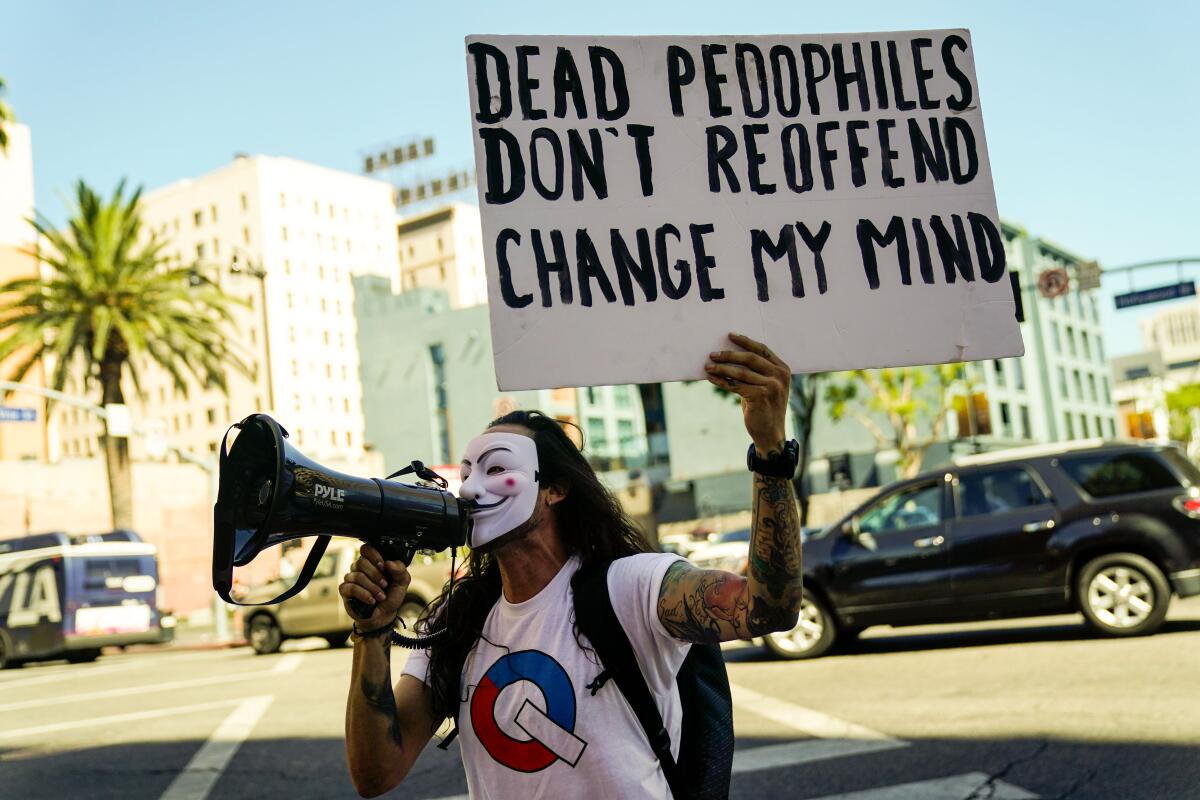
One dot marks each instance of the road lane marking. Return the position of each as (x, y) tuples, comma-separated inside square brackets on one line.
[(116, 719), (953, 788), (289, 663), (77, 671), (207, 766), (789, 754), (805, 720), (125, 691)]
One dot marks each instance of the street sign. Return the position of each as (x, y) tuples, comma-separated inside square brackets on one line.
[(1087, 275), (1156, 295), (1053, 282), (119, 422), (17, 414)]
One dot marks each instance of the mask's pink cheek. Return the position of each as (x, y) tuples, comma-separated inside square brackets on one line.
[(510, 482)]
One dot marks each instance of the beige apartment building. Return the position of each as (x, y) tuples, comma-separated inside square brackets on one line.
[(21, 438), (285, 237), (441, 248)]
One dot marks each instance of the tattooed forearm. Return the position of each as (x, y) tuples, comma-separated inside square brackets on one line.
[(775, 564), (704, 605), (380, 699)]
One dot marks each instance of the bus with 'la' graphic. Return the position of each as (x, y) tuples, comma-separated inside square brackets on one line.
[(67, 596)]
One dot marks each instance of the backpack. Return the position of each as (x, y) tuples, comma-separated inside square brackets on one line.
[(705, 761)]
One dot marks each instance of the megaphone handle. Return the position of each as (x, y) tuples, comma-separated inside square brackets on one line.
[(391, 550)]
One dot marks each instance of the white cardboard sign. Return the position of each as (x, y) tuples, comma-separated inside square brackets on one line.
[(644, 196)]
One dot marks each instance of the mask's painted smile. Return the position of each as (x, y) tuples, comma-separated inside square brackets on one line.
[(500, 480)]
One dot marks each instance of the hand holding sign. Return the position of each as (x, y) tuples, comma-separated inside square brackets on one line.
[(761, 379)]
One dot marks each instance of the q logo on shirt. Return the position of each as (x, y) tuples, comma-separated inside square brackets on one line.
[(551, 732)]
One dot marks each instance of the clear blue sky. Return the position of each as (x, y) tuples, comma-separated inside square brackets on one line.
[(1092, 108)]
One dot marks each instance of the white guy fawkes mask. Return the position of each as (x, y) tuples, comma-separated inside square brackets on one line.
[(500, 478)]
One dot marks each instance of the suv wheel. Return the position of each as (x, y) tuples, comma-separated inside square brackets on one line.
[(265, 635), (813, 635), (1123, 594)]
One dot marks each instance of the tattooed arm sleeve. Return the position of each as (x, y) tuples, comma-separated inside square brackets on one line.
[(705, 605), (386, 729)]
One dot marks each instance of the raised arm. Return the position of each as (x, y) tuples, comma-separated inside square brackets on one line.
[(702, 605)]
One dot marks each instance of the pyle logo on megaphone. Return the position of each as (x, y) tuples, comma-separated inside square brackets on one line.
[(328, 496)]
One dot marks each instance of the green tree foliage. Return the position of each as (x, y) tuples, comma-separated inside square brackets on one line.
[(109, 300), (1179, 409), (895, 404), (6, 119)]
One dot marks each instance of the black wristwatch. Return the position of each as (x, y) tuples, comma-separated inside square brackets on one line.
[(780, 465)]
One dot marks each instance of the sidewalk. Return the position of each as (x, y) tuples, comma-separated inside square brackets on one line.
[(189, 636)]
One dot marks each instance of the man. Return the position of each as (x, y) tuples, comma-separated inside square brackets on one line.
[(511, 667)]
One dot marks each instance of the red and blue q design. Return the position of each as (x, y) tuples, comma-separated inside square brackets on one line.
[(528, 755)]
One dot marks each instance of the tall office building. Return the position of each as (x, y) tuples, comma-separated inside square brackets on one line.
[(23, 420), (442, 248), (285, 237)]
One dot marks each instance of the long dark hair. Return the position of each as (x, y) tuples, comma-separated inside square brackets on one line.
[(591, 524)]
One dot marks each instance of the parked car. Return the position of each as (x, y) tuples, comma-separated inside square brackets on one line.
[(317, 610), (1109, 530)]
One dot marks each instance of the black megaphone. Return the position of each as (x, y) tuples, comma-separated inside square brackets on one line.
[(269, 492)]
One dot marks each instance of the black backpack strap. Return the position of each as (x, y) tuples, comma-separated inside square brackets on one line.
[(598, 622)]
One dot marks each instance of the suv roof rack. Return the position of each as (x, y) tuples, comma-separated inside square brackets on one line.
[(1049, 449)]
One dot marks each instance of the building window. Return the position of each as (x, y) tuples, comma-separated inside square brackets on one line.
[(282, 200), (1092, 388), (1070, 332), (1026, 428), (325, 337), (198, 218), (287, 267), (288, 299), (1054, 337), (625, 436), (1087, 346), (441, 402), (212, 211), (1083, 425), (1078, 384), (245, 202), (1063, 389), (1104, 386), (1070, 426), (283, 232), (1005, 421), (200, 250), (329, 370), (216, 246), (1019, 373), (295, 369), (349, 439), (595, 433), (1099, 426), (1112, 428), (591, 395), (1099, 349), (245, 235), (212, 416), (346, 404), (998, 366)]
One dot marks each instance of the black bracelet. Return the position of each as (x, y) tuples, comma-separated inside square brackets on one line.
[(374, 633)]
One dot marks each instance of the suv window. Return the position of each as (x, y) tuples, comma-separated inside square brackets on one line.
[(326, 566), (997, 491), (914, 507), (1112, 474)]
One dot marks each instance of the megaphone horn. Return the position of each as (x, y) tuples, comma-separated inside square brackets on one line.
[(269, 493)]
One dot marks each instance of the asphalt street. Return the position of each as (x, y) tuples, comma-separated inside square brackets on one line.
[(1031, 708)]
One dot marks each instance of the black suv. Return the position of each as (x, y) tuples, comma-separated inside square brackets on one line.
[(1109, 530)]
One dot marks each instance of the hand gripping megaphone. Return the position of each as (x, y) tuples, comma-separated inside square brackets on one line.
[(269, 492)]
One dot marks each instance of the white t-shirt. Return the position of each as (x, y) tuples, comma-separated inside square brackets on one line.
[(530, 728)]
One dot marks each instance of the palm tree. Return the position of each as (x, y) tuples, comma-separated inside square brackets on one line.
[(6, 117), (110, 300)]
